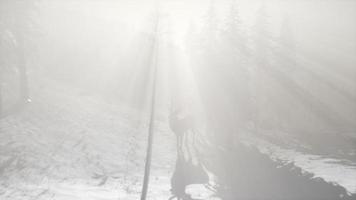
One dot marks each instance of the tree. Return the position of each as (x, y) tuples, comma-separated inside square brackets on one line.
[(234, 31), (153, 74), (262, 36), (287, 41), (210, 31), (261, 58), (16, 25), (235, 77)]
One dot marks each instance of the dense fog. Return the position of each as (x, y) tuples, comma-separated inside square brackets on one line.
[(230, 99)]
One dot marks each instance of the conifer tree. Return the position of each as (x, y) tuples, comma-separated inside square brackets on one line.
[(288, 46), (234, 29)]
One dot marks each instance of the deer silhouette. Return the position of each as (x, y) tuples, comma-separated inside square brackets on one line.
[(185, 172), (181, 126)]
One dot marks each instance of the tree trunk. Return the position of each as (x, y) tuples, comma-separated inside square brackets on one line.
[(1, 106), (21, 65)]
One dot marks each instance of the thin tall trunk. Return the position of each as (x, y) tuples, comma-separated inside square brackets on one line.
[(1, 98), (21, 65), (152, 116)]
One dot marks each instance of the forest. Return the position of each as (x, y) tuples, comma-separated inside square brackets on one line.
[(177, 99)]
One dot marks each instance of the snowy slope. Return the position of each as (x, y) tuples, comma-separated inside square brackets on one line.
[(68, 145), (65, 145)]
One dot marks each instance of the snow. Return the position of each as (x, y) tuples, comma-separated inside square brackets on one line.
[(331, 170), (66, 146), (69, 146)]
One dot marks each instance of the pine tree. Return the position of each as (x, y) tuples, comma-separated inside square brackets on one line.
[(210, 30), (234, 29), (262, 36), (262, 73), (236, 51), (288, 46)]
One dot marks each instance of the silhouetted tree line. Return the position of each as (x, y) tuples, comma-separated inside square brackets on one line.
[(252, 77)]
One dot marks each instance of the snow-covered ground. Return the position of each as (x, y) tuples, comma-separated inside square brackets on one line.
[(68, 145), (332, 170)]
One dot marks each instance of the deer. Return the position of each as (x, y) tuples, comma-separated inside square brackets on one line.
[(185, 172), (181, 126)]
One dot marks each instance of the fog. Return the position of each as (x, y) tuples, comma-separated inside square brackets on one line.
[(151, 99)]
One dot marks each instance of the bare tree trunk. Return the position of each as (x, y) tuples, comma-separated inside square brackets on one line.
[(153, 109), (1, 106), (21, 65)]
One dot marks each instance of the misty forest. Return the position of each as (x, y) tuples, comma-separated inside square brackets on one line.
[(177, 99)]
